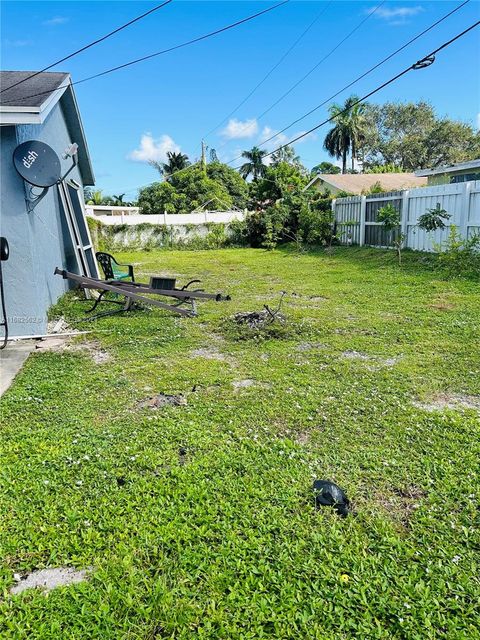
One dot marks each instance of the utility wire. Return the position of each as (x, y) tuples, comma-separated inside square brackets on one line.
[(325, 57), (267, 75), (358, 78), (426, 61), (87, 46), (159, 53), (294, 86)]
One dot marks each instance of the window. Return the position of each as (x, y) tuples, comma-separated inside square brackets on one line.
[(465, 177)]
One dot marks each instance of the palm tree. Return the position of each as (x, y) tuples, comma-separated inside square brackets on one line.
[(118, 200), (286, 154), (254, 166), (94, 197), (348, 132), (357, 124), (175, 162), (337, 141)]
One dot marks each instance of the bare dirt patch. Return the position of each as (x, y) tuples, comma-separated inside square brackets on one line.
[(302, 438), (211, 354), (376, 361), (247, 383), (402, 502), (356, 355), (51, 344), (310, 346), (442, 303), (48, 579), (163, 400), (62, 344), (243, 384), (448, 401)]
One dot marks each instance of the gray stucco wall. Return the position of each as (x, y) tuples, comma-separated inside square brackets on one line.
[(38, 241)]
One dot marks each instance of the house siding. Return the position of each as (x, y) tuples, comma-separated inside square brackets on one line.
[(448, 178), (39, 240)]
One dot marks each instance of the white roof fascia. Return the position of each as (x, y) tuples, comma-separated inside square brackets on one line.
[(312, 181), (461, 166)]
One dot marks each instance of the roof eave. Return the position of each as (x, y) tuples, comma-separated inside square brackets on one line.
[(31, 115), (312, 181), (460, 166), (85, 163)]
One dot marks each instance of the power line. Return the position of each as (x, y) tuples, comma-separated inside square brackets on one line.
[(358, 78), (71, 55), (426, 61), (267, 75), (325, 57), (159, 53)]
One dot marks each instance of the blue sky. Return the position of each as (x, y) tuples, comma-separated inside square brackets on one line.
[(171, 102)]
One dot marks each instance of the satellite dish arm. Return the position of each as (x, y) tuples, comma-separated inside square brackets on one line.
[(32, 200), (71, 152)]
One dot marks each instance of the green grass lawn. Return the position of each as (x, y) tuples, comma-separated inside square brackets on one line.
[(224, 541)]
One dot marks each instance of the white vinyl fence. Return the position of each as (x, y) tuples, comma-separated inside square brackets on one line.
[(356, 216)]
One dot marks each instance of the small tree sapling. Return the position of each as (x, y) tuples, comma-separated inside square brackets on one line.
[(390, 218), (433, 219)]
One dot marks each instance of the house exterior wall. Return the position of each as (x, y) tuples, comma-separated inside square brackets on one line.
[(39, 240), (322, 186), (454, 176)]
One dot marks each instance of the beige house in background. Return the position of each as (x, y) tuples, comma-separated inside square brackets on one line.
[(358, 183), (460, 172)]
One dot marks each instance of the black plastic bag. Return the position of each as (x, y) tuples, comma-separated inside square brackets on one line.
[(329, 494)]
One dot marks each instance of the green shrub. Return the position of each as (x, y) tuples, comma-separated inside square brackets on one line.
[(460, 257)]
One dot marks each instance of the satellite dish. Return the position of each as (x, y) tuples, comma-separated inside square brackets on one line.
[(37, 163)]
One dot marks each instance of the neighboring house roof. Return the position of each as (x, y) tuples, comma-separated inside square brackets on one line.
[(20, 106), (358, 182), (460, 166)]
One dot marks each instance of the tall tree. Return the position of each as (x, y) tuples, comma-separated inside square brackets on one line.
[(357, 125), (175, 162), (337, 141), (286, 154), (348, 132), (254, 165), (325, 167), (231, 180), (411, 136), (184, 192)]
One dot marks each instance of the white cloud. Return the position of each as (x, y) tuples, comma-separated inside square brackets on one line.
[(18, 43), (53, 22), (236, 129), (153, 149), (396, 15)]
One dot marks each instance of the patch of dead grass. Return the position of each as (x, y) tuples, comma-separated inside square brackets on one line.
[(443, 401)]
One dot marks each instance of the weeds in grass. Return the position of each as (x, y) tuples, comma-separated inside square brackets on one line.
[(198, 520)]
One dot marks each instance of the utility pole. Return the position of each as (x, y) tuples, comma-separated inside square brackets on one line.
[(204, 158)]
